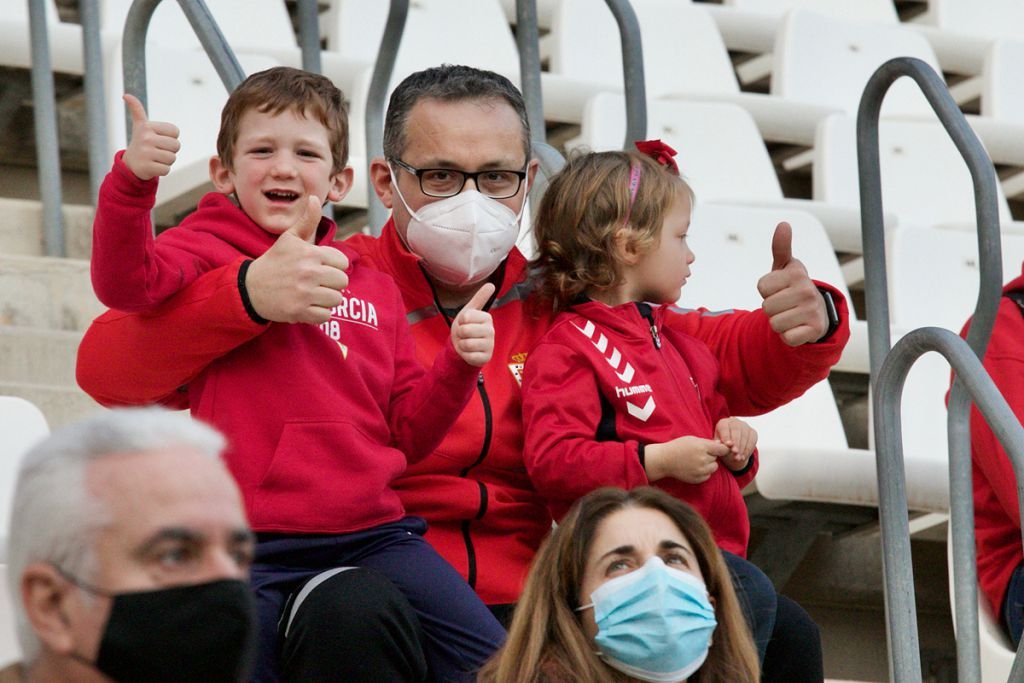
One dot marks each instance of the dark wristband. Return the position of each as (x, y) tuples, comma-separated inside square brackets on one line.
[(831, 312), (243, 293), (746, 468), (640, 455)]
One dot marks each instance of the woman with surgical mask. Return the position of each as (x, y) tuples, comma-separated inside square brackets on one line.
[(629, 587)]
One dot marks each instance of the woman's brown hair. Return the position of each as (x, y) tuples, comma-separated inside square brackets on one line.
[(586, 207), (546, 642)]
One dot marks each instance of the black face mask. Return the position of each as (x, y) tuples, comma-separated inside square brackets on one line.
[(201, 632)]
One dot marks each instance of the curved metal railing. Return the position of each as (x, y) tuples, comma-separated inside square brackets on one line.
[(888, 373)]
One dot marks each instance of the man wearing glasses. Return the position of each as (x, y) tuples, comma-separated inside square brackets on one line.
[(456, 171)]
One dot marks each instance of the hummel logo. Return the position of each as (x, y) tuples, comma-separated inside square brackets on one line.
[(601, 344), (639, 413)]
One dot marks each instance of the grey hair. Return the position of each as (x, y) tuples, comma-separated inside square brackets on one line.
[(449, 83), (54, 519)]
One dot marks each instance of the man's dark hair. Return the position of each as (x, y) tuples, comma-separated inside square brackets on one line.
[(448, 83)]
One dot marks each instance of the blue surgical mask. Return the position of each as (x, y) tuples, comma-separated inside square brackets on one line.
[(653, 624)]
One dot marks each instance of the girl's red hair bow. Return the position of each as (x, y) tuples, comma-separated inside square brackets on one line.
[(660, 152)]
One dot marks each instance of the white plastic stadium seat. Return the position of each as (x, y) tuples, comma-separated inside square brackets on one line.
[(1002, 97), (962, 30), (996, 650), (22, 425), (925, 181), (733, 249), (65, 40), (721, 154), (751, 25)]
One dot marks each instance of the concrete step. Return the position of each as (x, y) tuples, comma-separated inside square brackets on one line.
[(38, 356), (46, 293), (21, 228), (60, 405)]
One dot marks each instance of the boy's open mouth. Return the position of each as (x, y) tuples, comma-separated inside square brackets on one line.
[(281, 195)]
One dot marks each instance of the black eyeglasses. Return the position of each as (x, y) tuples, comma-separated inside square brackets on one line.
[(447, 182)]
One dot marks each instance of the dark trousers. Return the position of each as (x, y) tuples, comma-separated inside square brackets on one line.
[(1013, 605), (454, 630), (787, 639)]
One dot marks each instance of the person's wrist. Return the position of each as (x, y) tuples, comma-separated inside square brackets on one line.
[(831, 314), (243, 293)]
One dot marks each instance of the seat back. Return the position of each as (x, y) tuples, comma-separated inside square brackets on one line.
[(925, 181), (986, 18), (248, 25), (827, 61), (23, 426), (436, 32), (682, 49), (883, 11), (1001, 96), (721, 153)]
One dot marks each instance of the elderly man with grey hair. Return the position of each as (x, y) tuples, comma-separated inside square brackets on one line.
[(128, 555)]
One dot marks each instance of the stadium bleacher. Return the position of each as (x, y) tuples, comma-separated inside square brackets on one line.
[(758, 97)]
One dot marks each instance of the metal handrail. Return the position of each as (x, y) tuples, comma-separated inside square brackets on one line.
[(904, 660), (95, 110), (975, 383), (309, 35), (45, 117), (633, 83), (377, 214), (528, 42), (133, 43)]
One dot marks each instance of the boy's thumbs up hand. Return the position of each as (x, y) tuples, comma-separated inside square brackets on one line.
[(792, 302), (296, 281), (153, 145), (473, 329)]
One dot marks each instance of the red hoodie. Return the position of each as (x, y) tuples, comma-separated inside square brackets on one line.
[(632, 381), (996, 515), (485, 517), (319, 420)]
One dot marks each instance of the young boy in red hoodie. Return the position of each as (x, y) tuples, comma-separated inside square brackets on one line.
[(319, 421)]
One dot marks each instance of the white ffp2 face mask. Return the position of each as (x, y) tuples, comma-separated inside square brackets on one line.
[(464, 238)]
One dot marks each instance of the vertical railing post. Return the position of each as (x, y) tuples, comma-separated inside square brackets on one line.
[(382, 71), (309, 35), (95, 107), (902, 633), (632, 71), (528, 42), (47, 139)]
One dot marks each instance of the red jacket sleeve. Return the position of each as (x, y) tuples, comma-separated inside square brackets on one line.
[(134, 358), (561, 411), (1005, 363), (424, 405), (130, 270), (760, 372), (718, 407)]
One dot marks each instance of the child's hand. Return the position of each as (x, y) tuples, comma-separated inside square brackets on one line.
[(689, 459), (740, 438), (154, 143), (473, 330)]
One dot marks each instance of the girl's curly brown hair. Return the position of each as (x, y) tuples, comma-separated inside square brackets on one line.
[(583, 210)]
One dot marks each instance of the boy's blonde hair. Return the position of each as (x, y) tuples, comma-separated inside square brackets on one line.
[(280, 89), (586, 206)]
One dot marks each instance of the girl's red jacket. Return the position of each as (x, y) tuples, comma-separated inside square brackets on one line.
[(606, 381)]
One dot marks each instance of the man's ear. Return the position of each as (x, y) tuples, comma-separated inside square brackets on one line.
[(220, 176), (380, 176), (341, 183), (531, 171), (45, 595)]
